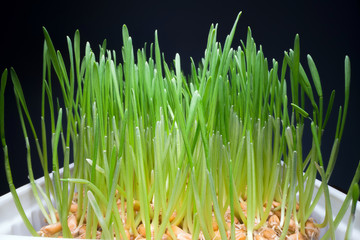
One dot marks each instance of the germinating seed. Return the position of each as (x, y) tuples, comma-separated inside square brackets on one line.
[(161, 155)]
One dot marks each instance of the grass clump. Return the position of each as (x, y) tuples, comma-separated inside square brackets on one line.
[(159, 155)]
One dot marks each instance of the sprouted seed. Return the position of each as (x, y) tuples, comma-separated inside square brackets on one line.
[(217, 154)]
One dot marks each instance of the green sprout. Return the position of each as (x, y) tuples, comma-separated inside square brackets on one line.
[(155, 151)]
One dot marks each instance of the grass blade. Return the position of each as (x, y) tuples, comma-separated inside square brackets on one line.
[(104, 227), (2, 106)]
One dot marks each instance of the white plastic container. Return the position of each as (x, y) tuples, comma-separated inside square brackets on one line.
[(11, 223), (13, 228)]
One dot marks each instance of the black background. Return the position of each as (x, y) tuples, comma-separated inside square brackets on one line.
[(328, 30)]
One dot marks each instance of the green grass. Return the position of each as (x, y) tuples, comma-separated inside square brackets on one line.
[(140, 129)]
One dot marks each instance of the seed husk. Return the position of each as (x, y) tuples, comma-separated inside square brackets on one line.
[(311, 230), (273, 221), (297, 236), (269, 233)]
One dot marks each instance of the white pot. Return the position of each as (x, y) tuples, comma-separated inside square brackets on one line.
[(12, 226)]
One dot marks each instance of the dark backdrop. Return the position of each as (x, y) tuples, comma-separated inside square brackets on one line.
[(328, 30)]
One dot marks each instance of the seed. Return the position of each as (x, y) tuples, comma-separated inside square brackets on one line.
[(274, 221), (179, 233), (311, 230), (269, 233), (278, 213), (275, 204), (292, 225), (141, 229), (73, 207), (72, 223), (297, 236), (82, 229), (215, 225), (136, 204), (50, 229), (172, 217), (259, 237)]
